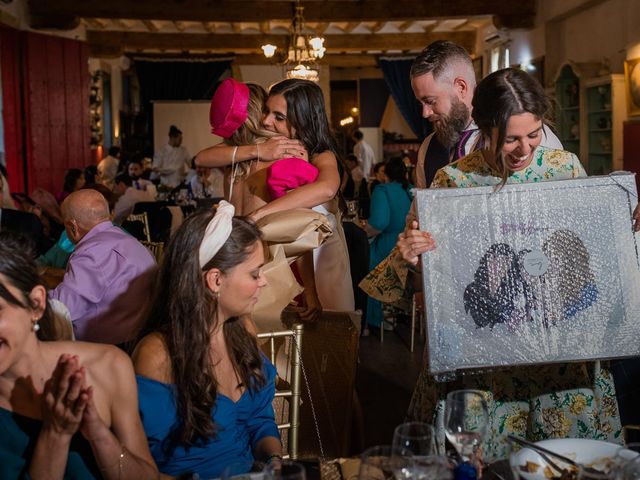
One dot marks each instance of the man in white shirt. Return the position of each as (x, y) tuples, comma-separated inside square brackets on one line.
[(129, 196), (364, 152), (172, 161), (108, 167), (135, 170), (207, 183)]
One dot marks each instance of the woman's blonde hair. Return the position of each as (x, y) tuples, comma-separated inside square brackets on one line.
[(251, 131)]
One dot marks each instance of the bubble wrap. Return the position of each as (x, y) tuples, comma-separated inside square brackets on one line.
[(534, 273)]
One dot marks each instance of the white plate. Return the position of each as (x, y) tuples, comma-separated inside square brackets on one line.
[(593, 453)]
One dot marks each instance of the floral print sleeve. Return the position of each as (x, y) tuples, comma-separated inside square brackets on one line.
[(578, 169), (442, 180)]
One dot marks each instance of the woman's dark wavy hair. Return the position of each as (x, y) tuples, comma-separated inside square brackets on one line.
[(396, 171), (499, 96), (307, 115), (70, 178), (486, 309), (18, 266), (184, 310)]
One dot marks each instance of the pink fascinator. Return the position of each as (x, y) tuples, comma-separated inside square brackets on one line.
[(228, 107)]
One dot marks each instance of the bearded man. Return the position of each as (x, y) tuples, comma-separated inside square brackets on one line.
[(443, 81)]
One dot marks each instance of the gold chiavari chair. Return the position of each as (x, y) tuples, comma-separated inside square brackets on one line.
[(290, 391)]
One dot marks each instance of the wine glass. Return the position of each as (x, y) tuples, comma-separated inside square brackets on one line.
[(384, 462), (417, 437), (466, 421), (629, 470)]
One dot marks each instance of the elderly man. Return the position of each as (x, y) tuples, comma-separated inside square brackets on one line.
[(109, 275)]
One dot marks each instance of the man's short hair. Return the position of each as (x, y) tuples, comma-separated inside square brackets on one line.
[(358, 135), (437, 57), (123, 178), (114, 151), (174, 131)]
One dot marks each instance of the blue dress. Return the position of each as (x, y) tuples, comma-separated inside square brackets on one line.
[(19, 435), (239, 426), (390, 204)]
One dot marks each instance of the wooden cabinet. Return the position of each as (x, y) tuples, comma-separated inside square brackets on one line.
[(603, 111)]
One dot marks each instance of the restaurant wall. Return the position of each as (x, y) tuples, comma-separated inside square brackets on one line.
[(580, 31)]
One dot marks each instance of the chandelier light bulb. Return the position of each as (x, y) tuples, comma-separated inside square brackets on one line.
[(269, 50)]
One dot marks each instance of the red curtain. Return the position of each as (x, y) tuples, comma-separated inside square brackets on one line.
[(45, 83), (10, 54)]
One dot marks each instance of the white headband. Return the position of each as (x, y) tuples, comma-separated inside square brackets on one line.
[(217, 232)]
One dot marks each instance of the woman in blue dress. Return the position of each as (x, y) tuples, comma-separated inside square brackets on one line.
[(205, 391), (390, 203)]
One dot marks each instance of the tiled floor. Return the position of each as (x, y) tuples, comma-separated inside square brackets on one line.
[(386, 376)]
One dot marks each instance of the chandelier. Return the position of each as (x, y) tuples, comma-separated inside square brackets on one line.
[(303, 51)]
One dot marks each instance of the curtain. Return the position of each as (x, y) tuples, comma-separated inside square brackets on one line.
[(12, 112), (396, 74), (176, 80)]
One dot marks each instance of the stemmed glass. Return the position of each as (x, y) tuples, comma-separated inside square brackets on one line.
[(415, 436), (285, 470), (466, 421), (385, 463)]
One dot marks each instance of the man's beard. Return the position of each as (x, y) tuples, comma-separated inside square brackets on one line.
[(449, 127)]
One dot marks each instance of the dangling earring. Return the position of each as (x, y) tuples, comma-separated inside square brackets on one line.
[(35, 326)]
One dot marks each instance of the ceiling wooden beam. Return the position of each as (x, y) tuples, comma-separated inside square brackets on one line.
[(351, 26), (521, 11), (334, 60), (377, 27), (405, 25), (112, 41), (149, 25), (342, 60)]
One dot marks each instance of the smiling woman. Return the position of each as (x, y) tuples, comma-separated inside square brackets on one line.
[(67, 409), (509, 107)]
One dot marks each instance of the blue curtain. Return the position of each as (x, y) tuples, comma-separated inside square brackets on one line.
[(396, 74)]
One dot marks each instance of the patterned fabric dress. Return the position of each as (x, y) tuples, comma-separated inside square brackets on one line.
[(536, 402)]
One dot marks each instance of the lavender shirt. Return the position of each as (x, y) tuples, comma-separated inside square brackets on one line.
[(107, 285)]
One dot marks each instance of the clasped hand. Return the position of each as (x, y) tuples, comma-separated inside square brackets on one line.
[(67, 402), (281, 147)]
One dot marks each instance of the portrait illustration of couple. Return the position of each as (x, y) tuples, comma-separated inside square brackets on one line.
[(514, 287)]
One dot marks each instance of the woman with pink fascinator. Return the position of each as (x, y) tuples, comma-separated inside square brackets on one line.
[(236, 115)]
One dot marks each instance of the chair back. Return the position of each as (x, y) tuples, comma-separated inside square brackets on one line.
[(144, 220), (290, 391), (156, 249)]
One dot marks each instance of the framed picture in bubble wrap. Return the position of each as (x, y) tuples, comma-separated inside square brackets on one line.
[(533, 273)]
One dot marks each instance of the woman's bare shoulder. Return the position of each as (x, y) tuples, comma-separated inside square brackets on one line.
[(151, 358)]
